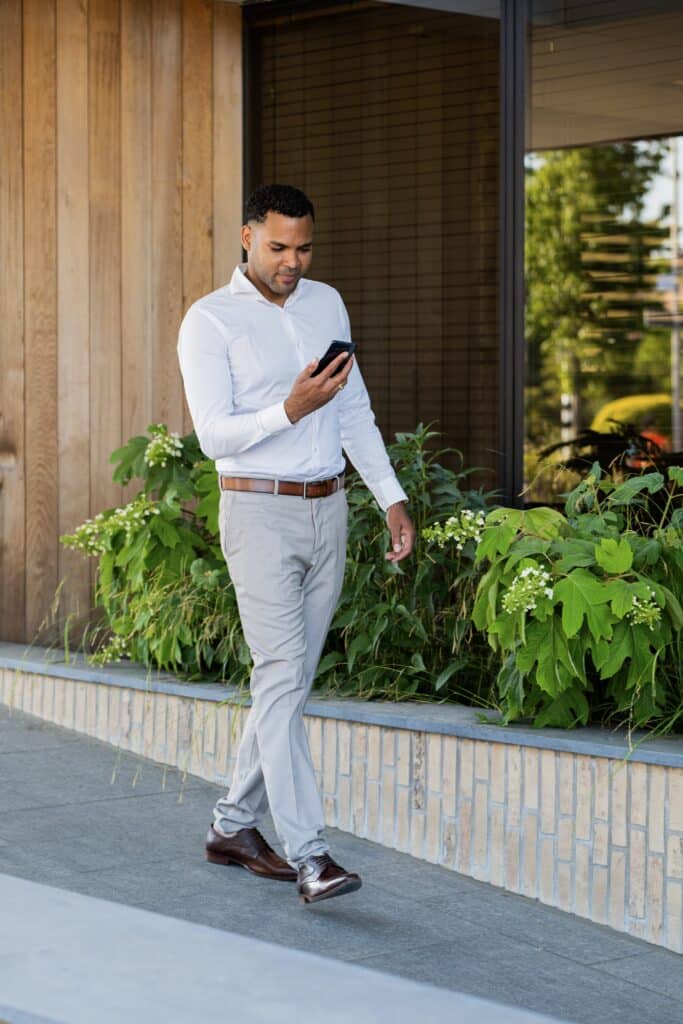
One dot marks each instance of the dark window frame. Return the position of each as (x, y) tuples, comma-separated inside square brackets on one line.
[(513, 85)]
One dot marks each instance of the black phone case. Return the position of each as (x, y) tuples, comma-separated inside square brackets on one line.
[(335, 348)]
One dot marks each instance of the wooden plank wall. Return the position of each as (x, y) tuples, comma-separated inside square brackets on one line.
[(120, 204)]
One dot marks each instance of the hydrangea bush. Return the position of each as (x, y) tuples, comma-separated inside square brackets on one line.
[(583, 609), (398, 631), (161, 578), (576, 617)]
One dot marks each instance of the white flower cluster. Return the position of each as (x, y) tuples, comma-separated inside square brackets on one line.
[(523, 593), (163, 446), (92, 535), (646, 612), (88, 537), (467, 525), (115, 649)]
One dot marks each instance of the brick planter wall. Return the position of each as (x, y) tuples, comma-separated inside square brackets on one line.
[(564, 818)]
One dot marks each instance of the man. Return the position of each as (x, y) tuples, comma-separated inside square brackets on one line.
[(247, 353)]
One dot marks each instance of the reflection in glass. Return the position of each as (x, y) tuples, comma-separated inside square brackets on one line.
[(602, 301)]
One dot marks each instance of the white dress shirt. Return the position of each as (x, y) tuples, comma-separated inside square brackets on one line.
[(239, 354)]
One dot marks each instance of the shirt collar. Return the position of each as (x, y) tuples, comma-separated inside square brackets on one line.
[(241, 285)]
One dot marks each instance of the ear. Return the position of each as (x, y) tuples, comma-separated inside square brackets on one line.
[(245, 235)]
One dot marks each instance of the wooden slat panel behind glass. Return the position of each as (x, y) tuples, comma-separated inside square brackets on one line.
[(388, 119)]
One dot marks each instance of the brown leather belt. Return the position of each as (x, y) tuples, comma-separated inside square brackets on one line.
[(314, 489)]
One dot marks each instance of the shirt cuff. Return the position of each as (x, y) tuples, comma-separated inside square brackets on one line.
[(388, 491), (274, 418)]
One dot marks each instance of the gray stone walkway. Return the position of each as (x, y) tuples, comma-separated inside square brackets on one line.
[(81, 959), (79, 815)]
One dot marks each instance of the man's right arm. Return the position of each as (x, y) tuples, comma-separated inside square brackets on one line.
[(204, 364)]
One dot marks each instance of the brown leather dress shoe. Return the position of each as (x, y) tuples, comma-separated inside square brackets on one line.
[(320, 878), (248, 848)]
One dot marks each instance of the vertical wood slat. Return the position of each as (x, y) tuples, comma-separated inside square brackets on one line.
[(73, 298), (167, 281), (197, 195), (109, 271), (40, 297), (12, 449), (227, 140), (136, 220), (105, 248)]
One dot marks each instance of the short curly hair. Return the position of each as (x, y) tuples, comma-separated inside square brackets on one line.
[(284, 199)]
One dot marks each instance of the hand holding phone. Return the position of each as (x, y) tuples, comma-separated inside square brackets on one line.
[(335, 349), (318, 384)]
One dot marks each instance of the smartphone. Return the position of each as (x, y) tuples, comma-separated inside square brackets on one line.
[(335, 349)]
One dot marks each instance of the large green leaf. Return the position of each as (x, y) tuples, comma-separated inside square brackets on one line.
[(133, 550), (505, 516), (510, 683), (483, 604), (167, 534), (544, 522), (648, 551), (130, 458), (495, 540), (529, 652), (579, 592), (556, 671), (569, 709), (642, 660), (523, 548), (574, 552), (627, 491), (621, 596), (614, 556), (674, 607), (600, 621), (609, 656), (546, 647), (505, 628)]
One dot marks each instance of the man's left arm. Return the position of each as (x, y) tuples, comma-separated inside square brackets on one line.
[(363, 443)]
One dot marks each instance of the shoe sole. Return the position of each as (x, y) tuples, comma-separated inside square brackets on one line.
[(352, 885), (222, 858)]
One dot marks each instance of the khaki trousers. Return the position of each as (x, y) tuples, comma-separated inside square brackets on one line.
[(286, 558)]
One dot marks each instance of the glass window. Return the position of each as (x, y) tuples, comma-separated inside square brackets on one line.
[(605, 111), (388, 116)]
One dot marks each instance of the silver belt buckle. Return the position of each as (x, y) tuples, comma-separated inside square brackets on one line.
[(305, 486)]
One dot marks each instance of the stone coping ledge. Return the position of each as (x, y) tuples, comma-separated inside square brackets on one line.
[(445, 719)]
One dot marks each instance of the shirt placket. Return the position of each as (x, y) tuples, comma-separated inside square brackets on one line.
[(292, 333)]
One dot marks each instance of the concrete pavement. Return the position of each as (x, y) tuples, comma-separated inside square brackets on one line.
[(80, 815)]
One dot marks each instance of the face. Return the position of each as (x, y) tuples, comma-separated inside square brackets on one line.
[(279, 253)]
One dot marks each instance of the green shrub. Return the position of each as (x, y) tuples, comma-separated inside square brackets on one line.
[(404, 630), (400, 630), (583, 608), (161, 577), (575, 616)]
